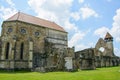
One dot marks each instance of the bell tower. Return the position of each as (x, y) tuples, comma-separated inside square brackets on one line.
[(109, 44)]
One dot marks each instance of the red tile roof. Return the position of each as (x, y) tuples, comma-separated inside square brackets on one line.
[(108, 35), (35, 20)]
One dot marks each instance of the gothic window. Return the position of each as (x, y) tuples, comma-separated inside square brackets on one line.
[(9, 29), (23, 31), (7, 50), (21, 50)]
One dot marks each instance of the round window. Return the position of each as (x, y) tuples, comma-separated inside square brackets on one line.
[(37, 33), (9, 29), (23, 31)]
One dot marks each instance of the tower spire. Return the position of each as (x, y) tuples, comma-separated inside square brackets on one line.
[(108, 37)]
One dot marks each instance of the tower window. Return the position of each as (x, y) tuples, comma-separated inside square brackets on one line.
[(7, 50), (21, 50)]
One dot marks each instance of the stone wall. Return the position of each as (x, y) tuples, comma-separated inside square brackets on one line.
[(17, 34), (58, 38), (85, 59), (28, 46), (104, 54)]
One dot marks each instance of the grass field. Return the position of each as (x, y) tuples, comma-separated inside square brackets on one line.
[(112, 73)]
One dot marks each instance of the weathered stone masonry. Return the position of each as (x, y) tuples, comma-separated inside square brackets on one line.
[(28, 42), (24, 45)]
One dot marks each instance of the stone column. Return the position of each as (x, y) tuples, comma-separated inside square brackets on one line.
[(3, 52), (3, 56), (110, 62), (30, 54), (12, 63)]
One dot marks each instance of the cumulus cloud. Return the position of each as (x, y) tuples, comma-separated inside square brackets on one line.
[(59, 12), (6, 12), (10, 3), (101, 31), (117, 51), (75, 38), (84, 13), (75, 16), (115, 30), (70, 26), (54, 10), (87, 12), (82, 46)]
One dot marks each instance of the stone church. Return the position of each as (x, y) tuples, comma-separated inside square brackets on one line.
[(31, 43), (28, 42)]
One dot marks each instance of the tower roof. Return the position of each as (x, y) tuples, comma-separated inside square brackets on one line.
[(108, 35), (35, 20)]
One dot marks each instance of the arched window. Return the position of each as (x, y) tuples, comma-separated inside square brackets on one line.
[(21, 50), (7, 50)]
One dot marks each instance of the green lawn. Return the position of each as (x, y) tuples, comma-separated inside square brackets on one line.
[(112, 73)]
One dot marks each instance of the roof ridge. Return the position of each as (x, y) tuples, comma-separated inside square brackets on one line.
[(35, 20), (36, 17)]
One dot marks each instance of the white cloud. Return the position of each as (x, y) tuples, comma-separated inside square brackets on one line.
[(10, 3), (101, 31), (70, 26), (6, 12), (87, 12), (58, 11), (115, 30), (75, 38), (117, 51), (84, 13), (75, 16), (80, 47), (80, 1), (54, 10)]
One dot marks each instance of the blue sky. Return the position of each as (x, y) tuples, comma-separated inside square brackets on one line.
[(85, 20)]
